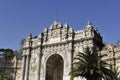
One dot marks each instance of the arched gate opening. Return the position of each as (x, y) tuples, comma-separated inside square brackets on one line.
[(54, 67)]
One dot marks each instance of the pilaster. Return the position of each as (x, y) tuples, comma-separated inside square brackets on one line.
[(39, 63), (27, 67), (23, 67)]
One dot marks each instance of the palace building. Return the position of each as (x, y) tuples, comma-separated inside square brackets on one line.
[(49, 56)]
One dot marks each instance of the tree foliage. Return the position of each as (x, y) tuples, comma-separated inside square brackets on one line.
[(7, 53), (90, 65)]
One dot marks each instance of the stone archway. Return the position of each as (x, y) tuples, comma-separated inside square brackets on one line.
[(54, 67)]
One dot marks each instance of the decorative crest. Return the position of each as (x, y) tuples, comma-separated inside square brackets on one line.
[(56, 25)]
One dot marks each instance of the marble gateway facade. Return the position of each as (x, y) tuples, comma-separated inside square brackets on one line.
[(48, 56)]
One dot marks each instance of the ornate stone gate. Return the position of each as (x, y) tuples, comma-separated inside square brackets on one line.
[(49, 55)]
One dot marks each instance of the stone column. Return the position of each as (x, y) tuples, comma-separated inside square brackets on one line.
[(39, 64), (23, 67), (27, 67)]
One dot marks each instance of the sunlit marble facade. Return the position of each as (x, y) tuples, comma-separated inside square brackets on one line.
[(49, 55)]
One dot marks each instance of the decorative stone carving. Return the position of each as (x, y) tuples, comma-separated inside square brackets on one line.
[(55, 25), (33, 62), (64, 35), (66, 26), (70, 33), (45, 34), (62, 41)]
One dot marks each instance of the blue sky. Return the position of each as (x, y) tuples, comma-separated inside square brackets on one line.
[(18, 18)]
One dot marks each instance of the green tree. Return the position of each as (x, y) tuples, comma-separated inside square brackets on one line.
[(8, 54), (90, 65), (2, 78)]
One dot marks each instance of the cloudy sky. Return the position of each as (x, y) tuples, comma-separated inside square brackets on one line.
[(18, 18)]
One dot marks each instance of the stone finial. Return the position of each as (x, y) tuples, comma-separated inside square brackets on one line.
[(70, 30), (89, 24), (59, 25), (55, 23), (45, 30), (66, 26), (30, 36), (96, 29), (39, 36), (51, 27)]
